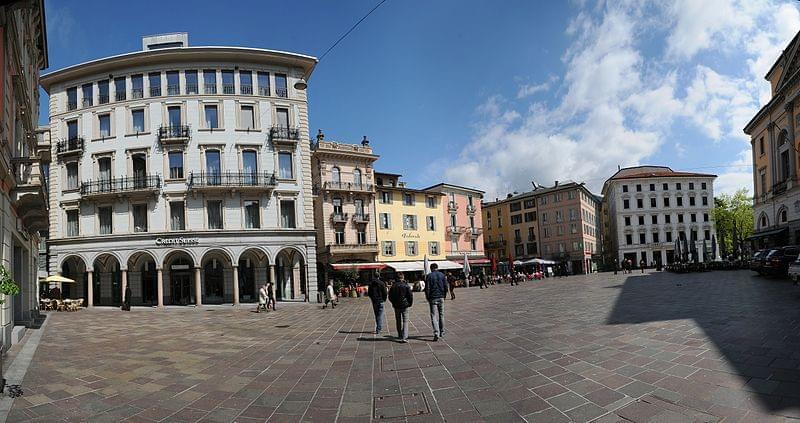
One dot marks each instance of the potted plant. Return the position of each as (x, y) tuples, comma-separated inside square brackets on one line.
[(7, 288)]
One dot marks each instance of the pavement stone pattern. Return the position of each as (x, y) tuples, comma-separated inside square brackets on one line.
[(653, 347)]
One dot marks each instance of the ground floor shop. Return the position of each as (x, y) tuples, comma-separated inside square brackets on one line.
[(190, 270)]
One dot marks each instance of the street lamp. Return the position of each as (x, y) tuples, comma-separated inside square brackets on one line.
[(301, 84)]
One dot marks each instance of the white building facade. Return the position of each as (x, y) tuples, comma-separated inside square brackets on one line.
[(650, 207), (183, 172)]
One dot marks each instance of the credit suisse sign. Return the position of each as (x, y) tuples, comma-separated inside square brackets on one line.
[(163, 242)]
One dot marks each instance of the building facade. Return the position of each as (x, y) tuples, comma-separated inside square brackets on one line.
[(184, 172), (511, 227), (23, 191), (651, 207), (463, 223), (773, 139), (344, 186), (410, 222)]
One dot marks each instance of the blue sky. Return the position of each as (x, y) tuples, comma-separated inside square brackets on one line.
[(495, 94)]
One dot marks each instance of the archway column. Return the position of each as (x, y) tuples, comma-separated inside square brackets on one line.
[(235, 284), (272, 279), (89, 289), (124, 283), (198, 293), (160, 288)]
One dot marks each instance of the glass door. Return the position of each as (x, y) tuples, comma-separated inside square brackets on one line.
[(213, 167), (250, 167)]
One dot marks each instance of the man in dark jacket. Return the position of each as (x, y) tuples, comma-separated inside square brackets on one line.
[(401, 298), (378, 294), (435, 292)]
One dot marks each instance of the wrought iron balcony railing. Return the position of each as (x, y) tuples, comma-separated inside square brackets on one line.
[(228, 89), (231, 180), (120, 95), (339, 217), (137, 93), (102, 99), (210, 88), (72, 105), (173, 89), (347, 186), (361, 218), (121, 185), (281, 92), (191, 88), (471, 209), (452, 206), (174, 133), (155, 91), (284, 133), (455, 229), (87, 102), (263, 91), (72, 145), (246, 89)]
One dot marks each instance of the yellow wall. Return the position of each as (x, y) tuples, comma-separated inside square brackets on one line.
[(396, 233)]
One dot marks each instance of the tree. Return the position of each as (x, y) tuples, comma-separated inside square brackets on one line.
[(733, 215)]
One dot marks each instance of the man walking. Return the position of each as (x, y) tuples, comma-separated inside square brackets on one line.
[(451, 283), (378, 294), (401, 298), (270, 296), (330, 296), (435, 292), (262, 299)]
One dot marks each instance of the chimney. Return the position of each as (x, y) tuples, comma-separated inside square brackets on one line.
[(320, 135), (556, 182), (365, 142), (509, 195)]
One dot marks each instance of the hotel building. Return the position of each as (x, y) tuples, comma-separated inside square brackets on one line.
[(773, 139), (650, 207), (463, 224), (344, 187), (184, 172), (511, 227)]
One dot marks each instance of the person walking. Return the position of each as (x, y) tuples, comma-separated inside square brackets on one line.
[(330, 295), (482, 280), (378, 294), (263, 297), (270, 296), (642, 264), (435, 293), (402, 299), (451, 283)]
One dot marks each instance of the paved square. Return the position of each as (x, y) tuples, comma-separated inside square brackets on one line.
[(720, 346)]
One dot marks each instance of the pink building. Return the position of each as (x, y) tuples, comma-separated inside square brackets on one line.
[(463, 227)]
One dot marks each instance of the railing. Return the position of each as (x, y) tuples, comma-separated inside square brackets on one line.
[(69, 145), (121, 185), (173, 89), (455, 229), (155, 91), (191, 88), (518, 240), (531, 238), (102, 99), (339, 217), (120, 95), (72, 105), (231, 179), (137, 93), (348, 186), (452, 206), (228, 89), (87, 102), (209, 88), (779, 188), (281, 92), (353, 246), (361, 217), (173, 132), (471, 209), (284, 133), (263, 91), (246, 89), (477, 231)]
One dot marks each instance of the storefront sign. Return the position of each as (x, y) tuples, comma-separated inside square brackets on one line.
[(177, 241), (407, 235)]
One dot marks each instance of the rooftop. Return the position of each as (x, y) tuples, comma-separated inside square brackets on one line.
[(642, 172)]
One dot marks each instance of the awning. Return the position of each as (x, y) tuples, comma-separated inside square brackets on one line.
[(448, 265), (770, 232), (473, 261), (358, 266), (405, 266)]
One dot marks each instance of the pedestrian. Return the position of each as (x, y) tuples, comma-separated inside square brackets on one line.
[(482, 280), (402, 298), (330, 295), (378, 294), (126, 303), (435, 292), (263, 297), (271, 295), (451, 282), (642, 264)]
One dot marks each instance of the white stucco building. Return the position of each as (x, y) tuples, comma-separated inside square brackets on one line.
[(650, 207), (184, 172)]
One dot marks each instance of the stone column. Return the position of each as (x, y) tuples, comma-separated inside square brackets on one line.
[(198, 297), (773, 161), (160, 288), (124, 283), (89, 289), (235, 285), (272, 277), (792, 150)]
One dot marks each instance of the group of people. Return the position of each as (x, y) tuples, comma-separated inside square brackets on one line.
[(266, 297), (627, 266)]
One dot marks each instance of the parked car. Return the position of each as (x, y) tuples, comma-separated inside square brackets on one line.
[(794, 270), (755, 261), (778, 260)]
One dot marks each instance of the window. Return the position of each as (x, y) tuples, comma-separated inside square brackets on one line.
[(762, 174), (530, 203), (287, 214), (654, 219), (642, 239), (386, 197), (385, 221), (571, 195), (638, 187), (409, 222), (155, 83), (693, 217), (653, 202), (707, 235), (227, 82), (72, 223), (705, 216), (140, 217), (252, 217), (211, 116), (411, 248), (691, 201), (703, 185), (137, 121), (627, 221), (573, 228), (214, 209), (283, 117), (104, 125), (119, 89), (691, 186), (388, 248), (173, 83), (705, 200), (668, 235), (191, 82), (176, 216), (250, 166), (137, 86), (433, 248), (624, 188), (652, 187), (655, 237), (761, 146), (430, 202), (678, 186), (357, 178), (247, 118), (430, 223), (338, 233), (667, 218), (210, 81), (263, 83), (680, 218), (641, 220), (680, 201), (639, 203), (72, 98), (408, 199), (665, 187), (102, 92), (88, 95), (280, 85), (515, 219), (544, 217), (513, 207), (666, 201), (359, 206), (285, 166), (337, 206), (176, 165), (72, 175), (361, 236), (246, 82), (213, 166), (626, 204), (628, 239), (104, 214), (531, 234), (530, 216)]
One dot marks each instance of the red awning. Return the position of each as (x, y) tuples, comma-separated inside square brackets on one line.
[(473, 261), (358, 266)]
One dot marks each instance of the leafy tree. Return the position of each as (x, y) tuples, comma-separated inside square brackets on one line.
[(733, 215)]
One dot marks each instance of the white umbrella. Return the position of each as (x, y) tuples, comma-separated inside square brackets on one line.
[(425, 266), (467, 269)]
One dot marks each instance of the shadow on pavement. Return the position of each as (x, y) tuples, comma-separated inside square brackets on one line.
[(754, 322)]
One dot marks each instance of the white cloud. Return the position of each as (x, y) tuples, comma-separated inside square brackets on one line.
[(698, 24), (527, 90), (739, 175)]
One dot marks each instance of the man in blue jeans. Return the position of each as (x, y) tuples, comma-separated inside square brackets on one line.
[(435, 292), (378, 294)]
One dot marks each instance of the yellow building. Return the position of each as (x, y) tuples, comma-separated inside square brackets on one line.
[(410, 224)]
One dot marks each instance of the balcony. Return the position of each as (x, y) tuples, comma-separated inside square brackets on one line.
[(137, 93), (246, 89), (209, 88), (72, 105), (455, 229), (191, 89), (173, 90), (347, 186), (281, 92), (339, 217), (284, 135), (231, 180), (517, 240), (263, 91), (155, 91), (87, 102), (496, 244), (452, 206), (117, 187), (29, 194), (352, 248), (228, 89), (173, 134), (119, 95), (475, 232), (471, 209), (102, 99), (69, 146), (361, 218)]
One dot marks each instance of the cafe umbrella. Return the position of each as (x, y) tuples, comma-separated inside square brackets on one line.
[(466, 269)]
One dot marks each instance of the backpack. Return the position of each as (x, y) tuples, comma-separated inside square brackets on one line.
[(400, 302)]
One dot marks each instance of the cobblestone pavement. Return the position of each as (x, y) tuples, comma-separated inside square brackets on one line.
[(653, 347)]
